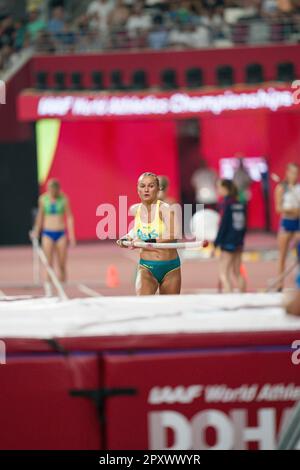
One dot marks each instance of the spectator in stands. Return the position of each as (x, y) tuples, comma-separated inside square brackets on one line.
[(158, 35), (190, 35), (184, 12), (269, 8), (67, 37), (179, 36), (56, 24), (181, 12), (215, 22), (7, 31), (285, 6), (157, 3), (139, 22), (88, 39), (201, 36), (12, 40), (82, 25), (251, 8), (183, 23), (9, 55), (119, 16), (196, 7), (117, 21), (7, 41), (296, 7), (212, 4), (45, 43), (57, 3), (21, 37), (35, 24), (98, 13), (172, 11)]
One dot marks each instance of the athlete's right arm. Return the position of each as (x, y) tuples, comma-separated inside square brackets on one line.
[(38, 225), (279, 190), (225, 225), (131, 234)]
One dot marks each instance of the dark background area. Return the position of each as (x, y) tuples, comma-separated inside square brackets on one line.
[(18, 190)]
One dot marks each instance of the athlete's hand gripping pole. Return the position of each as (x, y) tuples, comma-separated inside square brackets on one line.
[(165, 246)]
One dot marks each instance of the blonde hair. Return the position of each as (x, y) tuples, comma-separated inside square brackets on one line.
[(148, 173), (53, 183)]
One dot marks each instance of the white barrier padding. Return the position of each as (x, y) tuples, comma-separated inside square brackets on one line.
[(47, 318)]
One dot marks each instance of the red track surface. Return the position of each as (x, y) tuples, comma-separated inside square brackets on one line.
[(88, 265)]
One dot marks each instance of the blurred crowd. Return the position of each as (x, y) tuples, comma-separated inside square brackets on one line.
[(156, 24)]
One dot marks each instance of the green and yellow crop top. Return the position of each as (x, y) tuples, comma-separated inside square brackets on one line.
[(56, 207), (153, 230)]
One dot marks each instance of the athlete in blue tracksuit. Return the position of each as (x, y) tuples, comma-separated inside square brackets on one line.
[(230, 237)]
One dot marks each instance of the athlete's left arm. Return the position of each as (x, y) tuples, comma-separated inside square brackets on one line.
[(70, 222)]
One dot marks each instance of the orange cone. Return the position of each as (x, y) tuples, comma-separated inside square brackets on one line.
[(112, 277), (243, 271)]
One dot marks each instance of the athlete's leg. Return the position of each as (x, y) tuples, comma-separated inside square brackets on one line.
[(61, 251), (236, 270), (171, 283), (48, 246), (293, 306), (145, 283), (225, 270), (284, 239)]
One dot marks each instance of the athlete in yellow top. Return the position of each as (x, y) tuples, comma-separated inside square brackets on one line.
[(155, 221)]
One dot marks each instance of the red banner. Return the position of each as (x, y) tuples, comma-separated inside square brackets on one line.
[(82, 106), (36, 406), (228, 399)]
